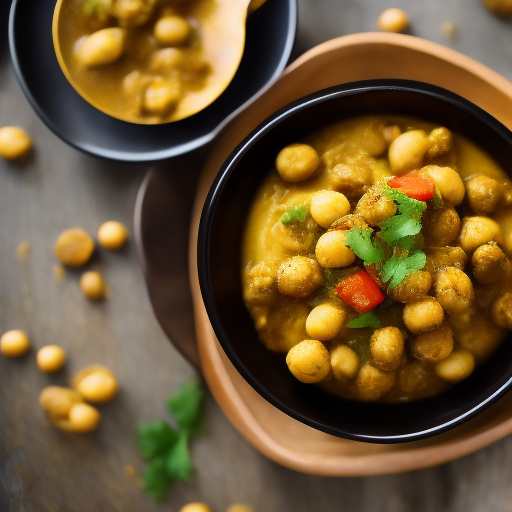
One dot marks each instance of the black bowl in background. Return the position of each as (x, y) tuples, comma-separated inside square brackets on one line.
[(269, 40), (219, 253)]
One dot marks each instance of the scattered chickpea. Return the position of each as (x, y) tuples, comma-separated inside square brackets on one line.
[(433, 346), (51, 358), (15, 142), (456, 367), (331, 251), (448, 27), (372, 383), (83, 418), (490, 264), (407, 151), (424, 315), (344, 362), (454, 290), (195, 507), (112, 235), (483, 194), (297, 162), (393, 20), (237, 507), (325, 322), (328, 206), (57, 401), (299, 276), (102, 47), (447, 180), (14, 343), (309, 361), (96, 384), (74, 247), (171, 30), (92, 285), (477, 231), (387, 346)]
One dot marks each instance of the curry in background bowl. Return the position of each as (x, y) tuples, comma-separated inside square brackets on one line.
[(376, 397), (149, 61)]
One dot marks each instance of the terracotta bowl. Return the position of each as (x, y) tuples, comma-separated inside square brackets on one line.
[(363, 56)]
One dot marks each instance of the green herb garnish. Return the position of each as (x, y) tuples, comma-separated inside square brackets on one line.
[(401, 265), (295, 214), (167, 448), (365, 320), (364, 245)]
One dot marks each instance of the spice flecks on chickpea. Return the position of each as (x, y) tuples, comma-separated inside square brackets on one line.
[(393, 20), (309, 361), (331, 251), (454, 290), (490, 264), (351, 180), (299, 276), (440, 141), (171, 30), (195, 507), (15, 143), (441, 226), (51, 358), (74, 247), (447, 181), (92, 285), (477, 231), (424, 315), (325, 322), (103, 47), (407, 152), (375, 207), (14, 343), (456, 367), (112, 235), (484, 194), (297, 162), (414, 287), (328, 206), (387, 346), (433, 346), (96, 384), (344, 362), (372, 383)]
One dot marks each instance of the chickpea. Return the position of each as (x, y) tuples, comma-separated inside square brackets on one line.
[(477, 231), (299, 276), (424, 315), (309, 361), (387, 347), (502, 311), (101, 48), (441, 226), (439, 258), (440, 142), (501, 7), (372, 383), (433, 346), (412, 377), (297, 162), (328, 206), (57, 401), (237, 507), (390, 133), (456, 367), (14, 142), (259, 284), (344, 362), (325, 322), (161, 96), (489, 264), (82, 418), (484, 194), (407, 151), (393, 20), (112, 235), (96, 384), (375, 207), (51, 359), (412, 288), (448, 182), (331, 251), (92, 285), (350, 180), (454, 290), (171, 30), (14, 344), (195, 507), (165, 59), (74, 247), (131, 13)]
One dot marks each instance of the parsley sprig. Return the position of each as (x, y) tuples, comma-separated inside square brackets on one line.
[(295, 214), (166, 448)]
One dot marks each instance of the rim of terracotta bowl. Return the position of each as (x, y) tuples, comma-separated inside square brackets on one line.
[(214, 197)]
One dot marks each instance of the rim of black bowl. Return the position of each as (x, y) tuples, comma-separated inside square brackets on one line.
[(213, 197), (155, 155)]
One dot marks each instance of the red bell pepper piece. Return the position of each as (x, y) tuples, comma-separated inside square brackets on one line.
[(416, 187), (360, 291)]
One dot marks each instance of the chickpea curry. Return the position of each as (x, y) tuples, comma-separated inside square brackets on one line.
[(376, 257), (150, 61)]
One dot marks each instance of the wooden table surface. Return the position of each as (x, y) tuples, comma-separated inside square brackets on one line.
[(43, 470)]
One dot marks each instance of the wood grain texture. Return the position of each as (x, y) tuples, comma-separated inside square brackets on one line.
[(44, 470)]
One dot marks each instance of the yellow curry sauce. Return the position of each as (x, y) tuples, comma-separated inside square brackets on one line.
[(440, 320)]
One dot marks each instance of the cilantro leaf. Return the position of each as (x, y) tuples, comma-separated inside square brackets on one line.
[(295, 213), (400, 265), (155, 438), (360, 241), (179, 464), (406, 205), (397, 227), (157, 479), (185, 407), (365, 320)]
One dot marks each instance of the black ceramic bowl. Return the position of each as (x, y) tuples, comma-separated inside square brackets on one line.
[(219, 253), (269, 40)]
